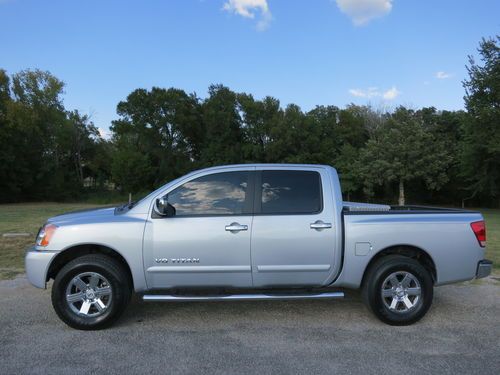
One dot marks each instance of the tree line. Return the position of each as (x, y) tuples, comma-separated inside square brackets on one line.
[(406, 155)]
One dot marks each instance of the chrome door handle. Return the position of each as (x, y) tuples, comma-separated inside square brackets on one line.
[(318, 225), (236, 227)]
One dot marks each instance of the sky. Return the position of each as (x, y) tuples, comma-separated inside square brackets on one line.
[(308, 52)]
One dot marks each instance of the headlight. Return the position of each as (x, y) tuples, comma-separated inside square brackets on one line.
[(45, 234)]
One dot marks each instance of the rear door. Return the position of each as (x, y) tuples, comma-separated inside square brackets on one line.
[(293, 237)]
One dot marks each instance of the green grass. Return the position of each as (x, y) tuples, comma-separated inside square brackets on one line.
[(492, 219), (28, 217)]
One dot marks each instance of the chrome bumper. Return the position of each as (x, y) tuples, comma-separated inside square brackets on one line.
[(37, 264), (484, 268)]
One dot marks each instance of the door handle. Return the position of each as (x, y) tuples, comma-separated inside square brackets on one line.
[(236, 227), (319, 225)]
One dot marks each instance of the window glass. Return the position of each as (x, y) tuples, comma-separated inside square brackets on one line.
[(289, 192), (215, 194)]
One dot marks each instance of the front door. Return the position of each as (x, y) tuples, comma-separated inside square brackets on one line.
[(207, 241), (293, 236)]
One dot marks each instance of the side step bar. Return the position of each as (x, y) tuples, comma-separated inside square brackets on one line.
[(239, 297)]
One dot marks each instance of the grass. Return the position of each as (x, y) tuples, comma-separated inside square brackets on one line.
[(492, 219), (28, 217)]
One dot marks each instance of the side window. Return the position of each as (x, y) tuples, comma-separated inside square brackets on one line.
[(215, 194), (291, 192)]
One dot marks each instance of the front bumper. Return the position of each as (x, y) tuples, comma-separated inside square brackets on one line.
[(37, 264), (484, 268)]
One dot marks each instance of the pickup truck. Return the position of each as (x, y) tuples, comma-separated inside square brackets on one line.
[(254, 232)]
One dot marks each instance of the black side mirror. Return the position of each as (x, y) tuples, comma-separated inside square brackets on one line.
[(163, 208)]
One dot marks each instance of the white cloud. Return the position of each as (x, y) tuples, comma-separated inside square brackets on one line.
[(368, 93), (391, 94), (374, 92), (363, 11), (443, 75), (104, 133), (249, 9)]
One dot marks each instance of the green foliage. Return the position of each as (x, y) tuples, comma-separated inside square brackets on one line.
[(222, 124), (481, 146), (402, 150), (157, 138), (44, 150), (423, 156)]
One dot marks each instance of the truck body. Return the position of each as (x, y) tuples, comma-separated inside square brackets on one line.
[(261, 230)]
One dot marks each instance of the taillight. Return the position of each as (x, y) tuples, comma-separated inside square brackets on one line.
[(479, 230)]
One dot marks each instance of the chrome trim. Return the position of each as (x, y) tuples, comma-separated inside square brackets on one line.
[(401, 292), (89, 294), (295, 268), (198, 269), (240, 297), (319, 225), (236, 227)]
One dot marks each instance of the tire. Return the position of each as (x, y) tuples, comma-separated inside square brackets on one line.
[(91, 292), (398, 290)]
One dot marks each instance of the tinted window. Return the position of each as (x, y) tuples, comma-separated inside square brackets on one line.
[(288, 192), (216, 194)]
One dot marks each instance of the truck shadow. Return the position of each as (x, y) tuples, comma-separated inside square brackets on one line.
[(347, 313), (191, 314)]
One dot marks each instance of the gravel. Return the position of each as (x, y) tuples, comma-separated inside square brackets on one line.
[(459, 335)]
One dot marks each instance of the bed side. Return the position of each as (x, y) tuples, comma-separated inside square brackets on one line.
[(446, 237)]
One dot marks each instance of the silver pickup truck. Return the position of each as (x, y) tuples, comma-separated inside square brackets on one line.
[(254, 232)]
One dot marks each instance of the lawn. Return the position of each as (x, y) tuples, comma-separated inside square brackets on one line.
[(28, 217), (492, 218)]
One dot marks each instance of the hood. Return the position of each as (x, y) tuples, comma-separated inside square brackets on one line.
[(85, 215)]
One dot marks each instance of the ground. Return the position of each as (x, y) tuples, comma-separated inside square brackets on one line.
[(459, 335)]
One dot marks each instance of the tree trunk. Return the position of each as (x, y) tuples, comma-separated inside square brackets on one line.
[(401, 193)]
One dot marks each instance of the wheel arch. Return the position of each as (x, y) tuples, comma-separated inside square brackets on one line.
[(409, 251), (76, 251)]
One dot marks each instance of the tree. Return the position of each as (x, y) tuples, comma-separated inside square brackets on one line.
[(403, 151), (223, 131), (45, 151), (348, 167), (158, 128), (480, 154), (84, 137), (258, 118)]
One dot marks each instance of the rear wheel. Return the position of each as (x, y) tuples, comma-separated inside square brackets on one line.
[(398, 290), (91, 292)]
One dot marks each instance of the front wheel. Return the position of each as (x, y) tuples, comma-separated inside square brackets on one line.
[(398, 290), (91, 292)]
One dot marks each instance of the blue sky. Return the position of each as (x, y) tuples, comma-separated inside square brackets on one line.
[(308, 52)]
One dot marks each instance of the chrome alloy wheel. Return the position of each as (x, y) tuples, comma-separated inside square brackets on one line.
[(89, 294), (401, 292)]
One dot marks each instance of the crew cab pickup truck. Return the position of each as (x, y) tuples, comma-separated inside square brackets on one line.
[(252, 232)]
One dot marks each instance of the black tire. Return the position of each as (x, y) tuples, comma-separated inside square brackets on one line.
[(119, 295), (373, 284)]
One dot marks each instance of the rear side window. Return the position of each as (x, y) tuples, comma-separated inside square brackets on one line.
[(215, 194), (291, 192)]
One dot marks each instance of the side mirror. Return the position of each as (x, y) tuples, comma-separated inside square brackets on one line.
[(163, 208)]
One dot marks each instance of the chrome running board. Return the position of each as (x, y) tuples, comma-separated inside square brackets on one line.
[(239, 297)]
